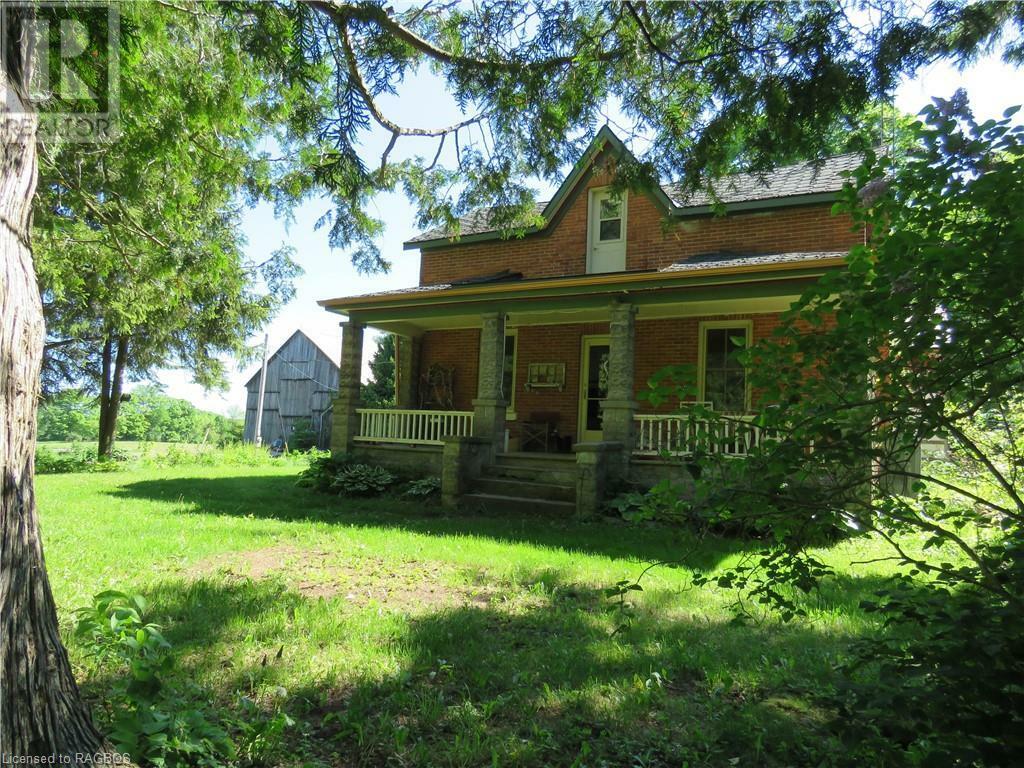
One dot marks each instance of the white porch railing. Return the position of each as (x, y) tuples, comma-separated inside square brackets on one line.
[(657, 434), (408, 427)]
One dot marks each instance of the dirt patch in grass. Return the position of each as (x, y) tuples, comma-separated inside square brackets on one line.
[(408, 586)]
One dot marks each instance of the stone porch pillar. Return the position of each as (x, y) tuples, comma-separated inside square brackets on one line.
[(489, 405), (595, 463), (344, 419), (619, 407), (407, 366)]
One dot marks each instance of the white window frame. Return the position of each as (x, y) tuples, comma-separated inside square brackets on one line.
[(593, 209), (703, 327)]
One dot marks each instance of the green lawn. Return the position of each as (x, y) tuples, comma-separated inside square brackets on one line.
[(394, 634)]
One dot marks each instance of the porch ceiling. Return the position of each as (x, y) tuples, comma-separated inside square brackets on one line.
[(649, 307), (706, 286)]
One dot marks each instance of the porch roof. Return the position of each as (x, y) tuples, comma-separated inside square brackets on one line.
[(719, 284)]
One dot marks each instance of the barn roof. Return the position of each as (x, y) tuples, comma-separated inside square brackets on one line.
[(285, 344)]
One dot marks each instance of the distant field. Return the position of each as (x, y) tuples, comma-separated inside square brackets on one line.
[(133, 448)]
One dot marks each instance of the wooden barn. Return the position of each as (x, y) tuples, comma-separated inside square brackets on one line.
[(302, 381)]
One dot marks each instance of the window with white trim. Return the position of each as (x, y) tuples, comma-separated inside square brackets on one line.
[(723, 380), (606, 231), (609, 217)]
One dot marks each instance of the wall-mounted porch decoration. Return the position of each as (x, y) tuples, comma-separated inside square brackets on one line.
[(437, 390), (545, 376)]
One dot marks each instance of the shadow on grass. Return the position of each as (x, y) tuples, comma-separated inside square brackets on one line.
[(547, 683), (278, 498)]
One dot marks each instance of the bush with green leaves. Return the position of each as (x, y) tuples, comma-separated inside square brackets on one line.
[(941, 686), (322, 469), (665, 502), (303, 436), (263, 736), (151, 719), (423, 488), (362, 480), (920, 334), (49, 462), (237, 455)]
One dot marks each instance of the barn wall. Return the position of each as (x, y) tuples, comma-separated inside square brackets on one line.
[(301, 383)]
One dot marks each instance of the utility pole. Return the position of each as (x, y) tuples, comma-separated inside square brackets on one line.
[(258, 437)]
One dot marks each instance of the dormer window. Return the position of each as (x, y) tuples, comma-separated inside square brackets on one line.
[(607, 231)]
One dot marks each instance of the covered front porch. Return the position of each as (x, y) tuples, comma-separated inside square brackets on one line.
[(554, 367)]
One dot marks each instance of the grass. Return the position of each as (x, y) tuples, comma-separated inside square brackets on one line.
[(395, 634)]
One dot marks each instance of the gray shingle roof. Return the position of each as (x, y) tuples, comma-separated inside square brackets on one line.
[(719, 260), (806, 178), (473, 223), (788, 181)]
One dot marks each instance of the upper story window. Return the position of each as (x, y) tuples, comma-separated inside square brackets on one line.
[(606, 236)]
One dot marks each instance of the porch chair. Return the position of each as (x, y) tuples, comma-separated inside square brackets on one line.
[(540, 432)]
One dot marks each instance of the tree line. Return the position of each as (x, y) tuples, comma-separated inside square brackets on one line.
[(147, 414)]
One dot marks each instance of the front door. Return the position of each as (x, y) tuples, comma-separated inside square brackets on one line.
[(593, 386), (607, 236)]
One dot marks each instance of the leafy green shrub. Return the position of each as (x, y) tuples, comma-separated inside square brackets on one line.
[(322, 469), (153, 721), (304, 435), (83, 459), (236, 455), (665, 502), (263, 736), (949, 667), (362, 480), (630, 506), (423, 488), (51, 463)]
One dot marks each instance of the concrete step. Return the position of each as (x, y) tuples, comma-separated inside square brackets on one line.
[(530, 459), (553, 473), (499, 504), (507, 486)]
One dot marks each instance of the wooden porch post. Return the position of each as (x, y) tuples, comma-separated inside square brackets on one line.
[(345, 420), (619, 407), (489, 405)]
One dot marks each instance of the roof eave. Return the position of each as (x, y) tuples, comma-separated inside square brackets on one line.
[(610, 282)]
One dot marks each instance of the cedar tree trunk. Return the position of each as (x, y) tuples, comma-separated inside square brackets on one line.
[(41, 711), (115, 356)]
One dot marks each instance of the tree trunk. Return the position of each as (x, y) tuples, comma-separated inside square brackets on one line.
[(41, 711), (103, 447), (115, 357)]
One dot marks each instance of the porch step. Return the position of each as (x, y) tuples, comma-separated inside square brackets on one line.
[(525, 489), (529, 459), (497, 503), (551, 468)]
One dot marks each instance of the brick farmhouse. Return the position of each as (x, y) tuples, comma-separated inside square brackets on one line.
[(520, 360)]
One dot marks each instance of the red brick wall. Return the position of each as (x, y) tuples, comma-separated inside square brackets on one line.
[(675, 342), (552, 344), (458, 349), (658, 343), (561, 250)]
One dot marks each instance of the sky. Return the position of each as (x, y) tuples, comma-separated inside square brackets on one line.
[(991, 85)]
